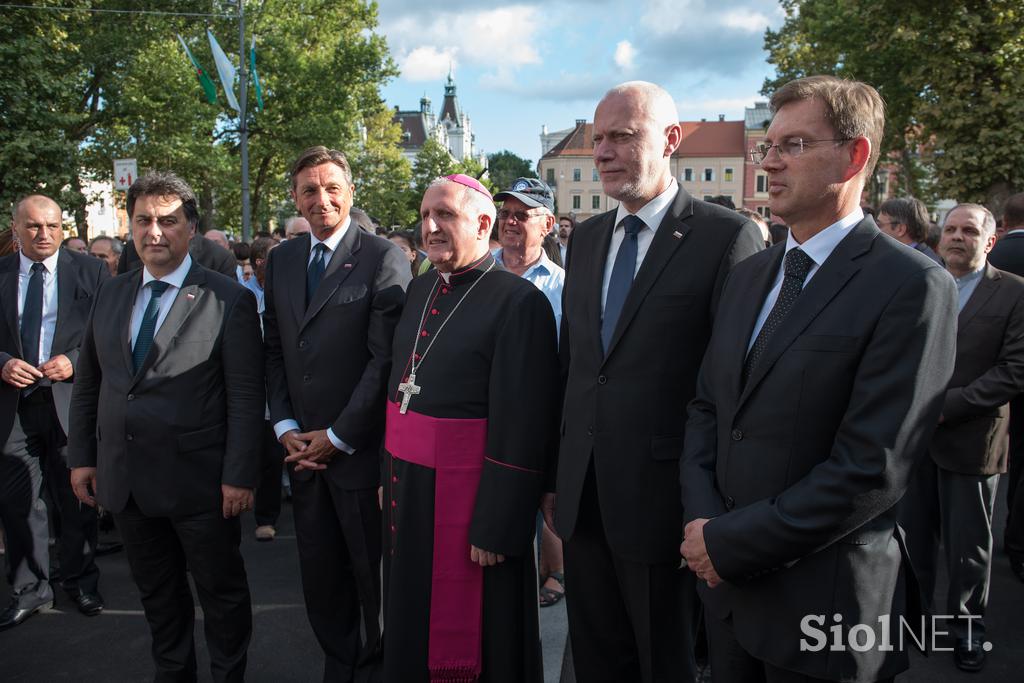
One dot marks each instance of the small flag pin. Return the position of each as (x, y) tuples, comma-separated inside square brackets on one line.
[(677, 234), (348, 265), (190, 296)]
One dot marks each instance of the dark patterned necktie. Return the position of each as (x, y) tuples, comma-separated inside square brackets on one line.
[(32, 315), (622, 278), (798, 264), (315, 272), (144, 340)]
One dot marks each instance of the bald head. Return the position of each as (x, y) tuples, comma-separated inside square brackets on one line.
[(37, 225), (636, 130), (35, 200)]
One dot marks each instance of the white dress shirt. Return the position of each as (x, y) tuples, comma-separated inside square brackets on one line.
[(818, 248), (175, 278), (283, 426), (652, 213), (49, 299)]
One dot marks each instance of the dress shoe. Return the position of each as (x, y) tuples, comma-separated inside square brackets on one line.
[(265, 532), (14, 615), (969, 655), (89, 604), (108, 548)]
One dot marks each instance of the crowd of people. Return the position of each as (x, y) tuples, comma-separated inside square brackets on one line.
[(718, 440)]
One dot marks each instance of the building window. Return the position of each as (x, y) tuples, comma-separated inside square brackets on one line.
[(709, 175), (594, 175), (577, 175), (595, 201), (687, 175), (576, 200), (727, 175), (762, 182), (551, 176)]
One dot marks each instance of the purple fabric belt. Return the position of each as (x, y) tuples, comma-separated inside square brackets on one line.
[(454, 449)]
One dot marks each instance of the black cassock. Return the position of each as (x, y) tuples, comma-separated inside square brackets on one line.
[(492, 372)]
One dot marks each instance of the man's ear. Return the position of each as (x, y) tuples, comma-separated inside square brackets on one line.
[(860, 152), (483, 231)]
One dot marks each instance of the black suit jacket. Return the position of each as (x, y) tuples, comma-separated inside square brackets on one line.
[(328, 365), (625, 410), (78, 277), (1008, 254), (989, 372), (209, 255), (191, 419), (800, 469)]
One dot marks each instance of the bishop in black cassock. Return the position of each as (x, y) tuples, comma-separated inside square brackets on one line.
[(471, 418)]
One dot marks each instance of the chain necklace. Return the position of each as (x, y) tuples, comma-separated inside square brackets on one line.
[(409, 388)]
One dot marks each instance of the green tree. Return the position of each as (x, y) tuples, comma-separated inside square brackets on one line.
[(432, 161), (951, 74), (504, 167), (383, 177)]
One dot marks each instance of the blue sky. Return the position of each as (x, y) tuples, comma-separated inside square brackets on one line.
[(520, 66)]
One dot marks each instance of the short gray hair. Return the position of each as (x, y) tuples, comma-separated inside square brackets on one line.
[(988, 221), (116, 245)]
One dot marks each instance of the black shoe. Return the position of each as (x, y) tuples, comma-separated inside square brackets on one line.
[(109, 548), (1017, 567), (14, 615), (969, 655), (89, 604)]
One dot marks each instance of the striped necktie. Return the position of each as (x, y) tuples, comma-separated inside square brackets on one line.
[(144, 340)]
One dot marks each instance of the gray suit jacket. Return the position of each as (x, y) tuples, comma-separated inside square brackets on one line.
[(191, 418)]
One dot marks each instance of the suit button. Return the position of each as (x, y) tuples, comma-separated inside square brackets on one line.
[(306, 378), (601, 379), (590, 431), (729, 502), (131, 397), (737, 435), (128, 437), (302, 343)]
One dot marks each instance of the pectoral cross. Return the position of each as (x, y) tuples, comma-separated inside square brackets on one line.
[(408, 390)]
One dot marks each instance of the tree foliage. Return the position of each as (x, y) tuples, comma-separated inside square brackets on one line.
[(504, 167), (951, 74)]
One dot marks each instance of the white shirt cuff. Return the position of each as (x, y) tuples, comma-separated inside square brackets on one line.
[(338, 443), (285, 426)]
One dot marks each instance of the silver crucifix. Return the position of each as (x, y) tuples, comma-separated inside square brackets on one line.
[(408, 390)]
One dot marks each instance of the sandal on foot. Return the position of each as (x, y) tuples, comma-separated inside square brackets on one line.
[(550, 596)]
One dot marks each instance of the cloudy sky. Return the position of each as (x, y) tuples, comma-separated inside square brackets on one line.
[(520, 66)]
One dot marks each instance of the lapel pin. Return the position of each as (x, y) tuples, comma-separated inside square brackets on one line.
[(190, 296), (677, 234), (348, 265)]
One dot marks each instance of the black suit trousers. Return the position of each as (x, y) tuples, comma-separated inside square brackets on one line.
[(160, 549), (628, 621), (339, 539), (267, 503)]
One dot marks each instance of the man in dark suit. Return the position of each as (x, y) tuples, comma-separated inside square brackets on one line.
[(637, 310), (332, 298), (906, 220), (166, 419), (954, 491), (206, 253), (45, 293), (819, 393)]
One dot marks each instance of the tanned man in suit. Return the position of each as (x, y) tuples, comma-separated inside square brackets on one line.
[(45, 293), (954, 491), (166, 419), (821, 388), (638, 303), (906, 220), (332, 299)]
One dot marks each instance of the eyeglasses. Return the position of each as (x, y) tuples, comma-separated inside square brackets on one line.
[(520, 216), (789, 147)]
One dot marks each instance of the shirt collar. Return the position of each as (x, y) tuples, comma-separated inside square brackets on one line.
[(175, 278), (542, 263), (970, 277), (50, 262), (653, 211), (331, 242), (821, 246), (1015, 231)]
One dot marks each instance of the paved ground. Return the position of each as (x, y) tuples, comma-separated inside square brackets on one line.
[(62, 645)]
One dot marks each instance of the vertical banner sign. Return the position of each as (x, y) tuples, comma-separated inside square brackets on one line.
[(125, 173)]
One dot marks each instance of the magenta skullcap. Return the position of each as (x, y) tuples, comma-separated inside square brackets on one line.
[(470, 182)]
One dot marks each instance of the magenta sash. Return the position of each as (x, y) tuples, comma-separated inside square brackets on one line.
[(454, 449)]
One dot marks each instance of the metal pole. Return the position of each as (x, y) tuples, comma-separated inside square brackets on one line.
[(243, 127)]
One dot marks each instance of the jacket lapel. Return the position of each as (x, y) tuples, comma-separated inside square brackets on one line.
[(9, 296), (830, 278), (67, 287), (342, 263), (986, 288), (294, 278), (125, 305), (594, 282), (192, 290), (746, 312), (672, 232)]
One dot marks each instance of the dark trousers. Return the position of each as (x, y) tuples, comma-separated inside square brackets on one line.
[(160, 550), (77, 528), (1013, 536), (730, 663), (339, 541), (22, 510), (267, 504), (958, 509), (628, 621)]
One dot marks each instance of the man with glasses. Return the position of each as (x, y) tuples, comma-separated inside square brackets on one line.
[(906, 220), (822, 385)]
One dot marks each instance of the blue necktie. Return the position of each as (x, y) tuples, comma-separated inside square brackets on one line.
[(144, 341), (32, 315), (621, 279), (315, 272)]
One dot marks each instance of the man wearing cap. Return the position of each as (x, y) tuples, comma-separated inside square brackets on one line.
[(471, 405)]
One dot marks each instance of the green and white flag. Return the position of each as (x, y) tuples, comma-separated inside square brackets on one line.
[(255, 76), (208, 87), (225, 69)]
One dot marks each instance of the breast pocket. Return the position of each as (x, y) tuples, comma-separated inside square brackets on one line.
[(349, 294)]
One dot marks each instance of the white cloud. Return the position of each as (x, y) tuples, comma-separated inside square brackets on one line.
[(719, 105), (427, 63), (752, 22), (625, 55)]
